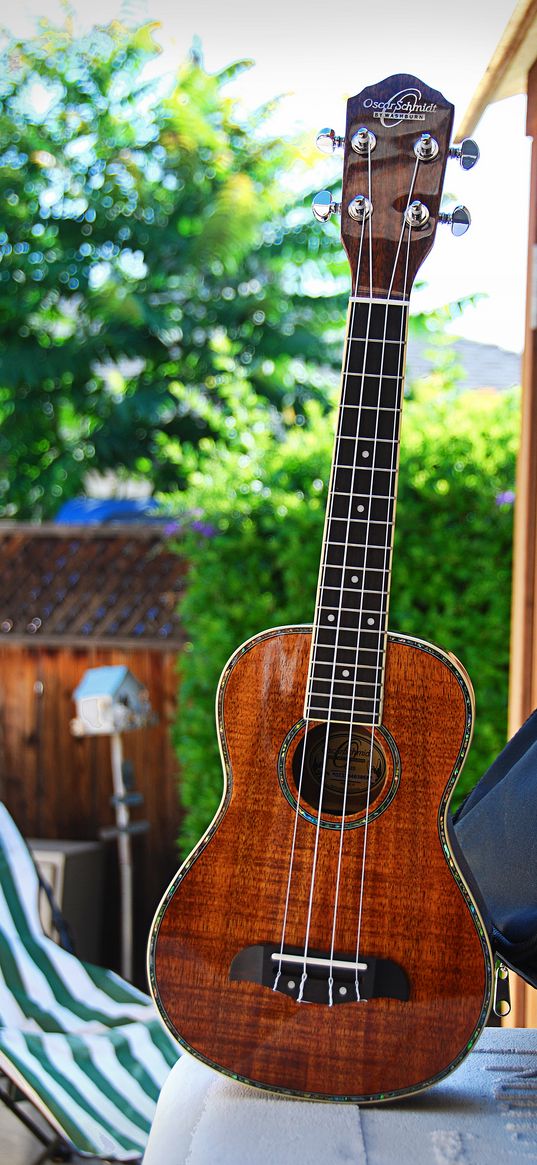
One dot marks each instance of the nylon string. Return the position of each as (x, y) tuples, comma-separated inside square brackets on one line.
[(381, 633), (313, 655), (344, 567)]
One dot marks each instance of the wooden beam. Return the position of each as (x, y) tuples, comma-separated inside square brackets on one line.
[(508, 67), (523, 664)]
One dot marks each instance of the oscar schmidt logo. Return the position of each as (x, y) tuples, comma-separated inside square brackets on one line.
[(403, 106)]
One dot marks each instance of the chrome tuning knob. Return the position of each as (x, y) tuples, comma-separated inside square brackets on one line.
[(426, 148), (417, 215), (458, 219), (327, 141), (363, 141), (467, 153), (323, 207)]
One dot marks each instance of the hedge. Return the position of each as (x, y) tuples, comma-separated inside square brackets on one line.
[(251, 530)]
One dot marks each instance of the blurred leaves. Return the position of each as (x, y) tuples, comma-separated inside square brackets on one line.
[(147, 239)]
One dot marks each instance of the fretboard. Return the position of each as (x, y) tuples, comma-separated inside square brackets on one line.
[(346, 674)]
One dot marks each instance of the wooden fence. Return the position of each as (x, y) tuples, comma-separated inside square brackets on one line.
[(59, 786)]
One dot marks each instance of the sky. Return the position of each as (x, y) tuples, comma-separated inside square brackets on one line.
[(318, 55)]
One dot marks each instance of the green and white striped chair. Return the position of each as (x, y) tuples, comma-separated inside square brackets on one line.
[(79, 1042)]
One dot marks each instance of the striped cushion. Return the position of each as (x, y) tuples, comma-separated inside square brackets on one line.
[(80, 1042)]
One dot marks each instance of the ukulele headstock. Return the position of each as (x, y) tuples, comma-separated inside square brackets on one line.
[(396, 143)]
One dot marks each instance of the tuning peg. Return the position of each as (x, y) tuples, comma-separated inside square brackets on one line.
[(327, 141), (458, 219), (323, 207), (467, 153)]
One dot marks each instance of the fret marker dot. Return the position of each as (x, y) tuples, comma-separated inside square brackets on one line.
[(331, 618), (361, 509), (354, 578), (371, 622), (366, 454), (345, 673)]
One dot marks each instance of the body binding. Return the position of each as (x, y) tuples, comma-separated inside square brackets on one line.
[(417, 909)]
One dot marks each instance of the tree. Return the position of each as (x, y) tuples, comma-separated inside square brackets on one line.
[(151, 262)]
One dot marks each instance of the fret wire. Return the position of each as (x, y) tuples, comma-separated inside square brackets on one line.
[(357, 666), (349, 683), (347, 680), (367, 569), (366, 610), (346, 699), (347, 715), (375, 497), (375, 408), (378, 376), (373, 441), (350, 647), (356, 545), (369, 591), (358, 718), (340, 493), (373, 340), (368, 468), (378, 299), (343, 647), (372, 630), (352, 683)]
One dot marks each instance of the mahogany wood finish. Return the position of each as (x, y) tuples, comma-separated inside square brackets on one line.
[(231, 894)]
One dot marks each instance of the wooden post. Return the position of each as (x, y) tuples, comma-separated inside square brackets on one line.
[(523, 668)]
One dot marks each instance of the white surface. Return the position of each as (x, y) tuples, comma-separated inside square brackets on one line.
[(485, 1111)]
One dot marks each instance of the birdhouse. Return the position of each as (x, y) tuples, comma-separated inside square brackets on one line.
[(109, 700)]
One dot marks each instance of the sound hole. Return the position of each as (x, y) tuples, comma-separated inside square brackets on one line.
[(346, 759)]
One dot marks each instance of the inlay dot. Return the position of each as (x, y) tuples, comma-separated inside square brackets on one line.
[(360, 509), (371, 622), (345, 673), (365, 454), (354, 578), (331, 618), (342, 990), (291, 984)]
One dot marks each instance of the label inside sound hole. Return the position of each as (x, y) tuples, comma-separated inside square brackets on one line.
[(346, 760)]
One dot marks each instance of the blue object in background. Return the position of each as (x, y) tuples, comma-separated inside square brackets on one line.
[(81, 511)]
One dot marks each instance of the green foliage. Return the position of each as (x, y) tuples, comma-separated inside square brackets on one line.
[(252, 533), (150, 260)]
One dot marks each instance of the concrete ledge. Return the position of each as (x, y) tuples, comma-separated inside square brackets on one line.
[(485, 1111)]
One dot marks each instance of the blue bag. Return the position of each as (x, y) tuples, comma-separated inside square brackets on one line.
[(495, 839)]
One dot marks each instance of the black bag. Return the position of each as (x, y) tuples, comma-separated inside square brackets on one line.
[(495, 843)]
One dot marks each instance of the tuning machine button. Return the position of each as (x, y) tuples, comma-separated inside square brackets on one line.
[(363, 141), (323, 207), (426, 148), (417, 215), (328, 141), (467, 153), (360, 208), (458, 219)]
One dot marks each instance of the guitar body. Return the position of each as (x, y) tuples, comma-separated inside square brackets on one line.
[(417, 913)]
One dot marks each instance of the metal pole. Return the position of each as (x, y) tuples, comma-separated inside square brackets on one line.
[(124, 854)]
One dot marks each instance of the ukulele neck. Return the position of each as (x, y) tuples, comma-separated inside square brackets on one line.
[(346, 672)]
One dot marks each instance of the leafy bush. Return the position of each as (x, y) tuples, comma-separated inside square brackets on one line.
[(151, 258), (252, 533)]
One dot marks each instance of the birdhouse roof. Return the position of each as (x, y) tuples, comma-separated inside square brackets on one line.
[(104, 681), (108, 586)]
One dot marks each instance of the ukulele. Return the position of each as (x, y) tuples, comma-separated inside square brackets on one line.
[(320, 941)]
